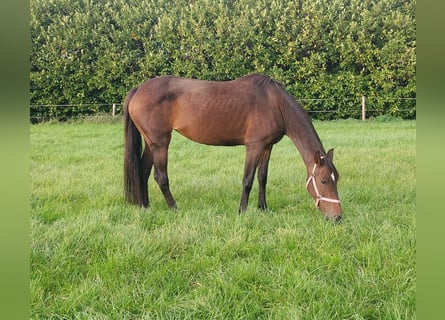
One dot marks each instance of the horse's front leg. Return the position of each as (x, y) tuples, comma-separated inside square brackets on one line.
[(253, 153), (263, 165)]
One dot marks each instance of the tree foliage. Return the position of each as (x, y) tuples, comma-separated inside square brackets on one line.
[(91, 52)]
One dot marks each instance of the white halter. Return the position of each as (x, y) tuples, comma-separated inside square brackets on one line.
[(319, 196)]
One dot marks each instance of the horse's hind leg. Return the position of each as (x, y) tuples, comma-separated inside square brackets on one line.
[(160, 162), (146, 166), (263, 166)]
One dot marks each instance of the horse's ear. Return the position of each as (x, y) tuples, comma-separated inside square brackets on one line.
[(317, 158), (330, 154)]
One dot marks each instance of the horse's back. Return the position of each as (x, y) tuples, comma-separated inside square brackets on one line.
[(209, 112)]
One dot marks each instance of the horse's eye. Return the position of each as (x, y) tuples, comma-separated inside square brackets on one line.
[(324, 181)]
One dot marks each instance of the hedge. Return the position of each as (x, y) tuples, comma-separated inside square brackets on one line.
[(90, 53)]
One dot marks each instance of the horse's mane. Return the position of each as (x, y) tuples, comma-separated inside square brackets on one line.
[(262, 80), (266, 82), (291, 107)]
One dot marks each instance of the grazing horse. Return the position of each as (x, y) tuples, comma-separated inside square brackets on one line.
[(253, 110)]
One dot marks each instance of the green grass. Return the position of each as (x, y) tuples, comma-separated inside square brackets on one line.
[(93, 257)]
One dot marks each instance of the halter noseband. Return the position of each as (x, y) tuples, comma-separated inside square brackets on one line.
[(319, 196)]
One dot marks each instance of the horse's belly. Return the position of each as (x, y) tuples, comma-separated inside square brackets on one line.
[(210, 133), (224, 124)]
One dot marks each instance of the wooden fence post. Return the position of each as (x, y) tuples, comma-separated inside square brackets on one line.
[(363, 108), (114, 109)]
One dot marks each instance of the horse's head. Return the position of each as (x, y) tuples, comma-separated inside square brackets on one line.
[(322, 185)]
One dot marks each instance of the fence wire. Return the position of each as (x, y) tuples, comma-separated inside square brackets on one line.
[(86, 110)]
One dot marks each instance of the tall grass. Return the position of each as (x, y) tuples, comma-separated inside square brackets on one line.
[(93, 257)]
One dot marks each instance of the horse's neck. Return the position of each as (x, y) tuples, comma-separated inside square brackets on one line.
[(302, 133)]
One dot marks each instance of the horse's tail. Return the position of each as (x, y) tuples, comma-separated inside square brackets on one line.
[(132, 156)]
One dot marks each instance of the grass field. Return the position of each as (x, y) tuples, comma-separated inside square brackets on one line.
[(93, 257)]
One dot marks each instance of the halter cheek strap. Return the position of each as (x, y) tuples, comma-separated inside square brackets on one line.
[(319, 196)]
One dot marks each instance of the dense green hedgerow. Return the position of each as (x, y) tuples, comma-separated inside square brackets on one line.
[(90, 53)]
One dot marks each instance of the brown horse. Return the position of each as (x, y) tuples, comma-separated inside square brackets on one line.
[(253, 110)]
